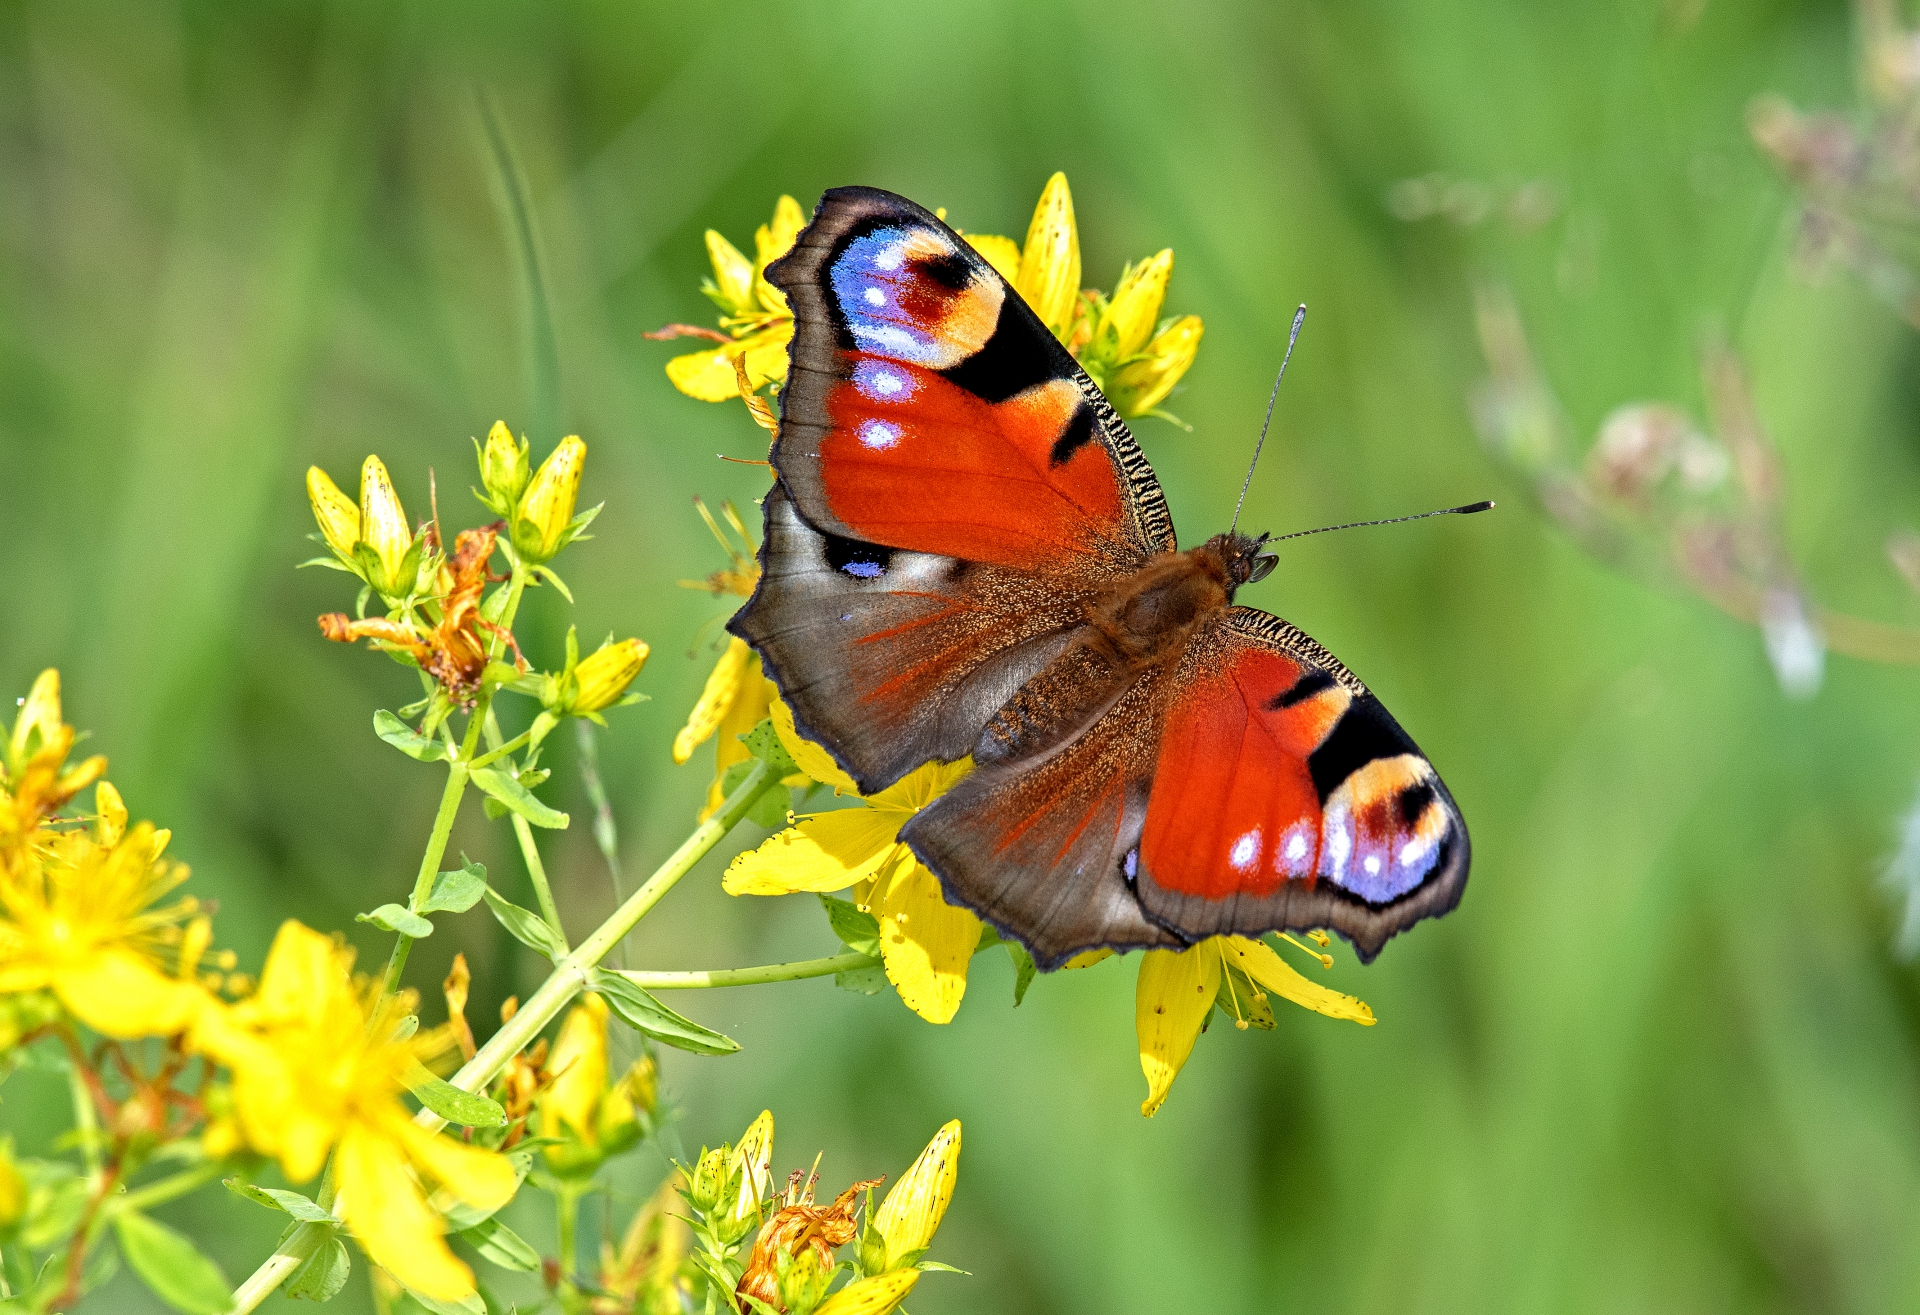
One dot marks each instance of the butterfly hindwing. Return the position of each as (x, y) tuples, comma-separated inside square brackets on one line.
[(1286, 798), (888, 657), (1039, 848), (927, 408)]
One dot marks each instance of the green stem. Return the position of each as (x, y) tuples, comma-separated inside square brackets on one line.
[(568, 978), (166, 1189), (566, 1203), (769, 972), (86, 1119), (494, 754), (430, 862), (457, 775), (529, 851)]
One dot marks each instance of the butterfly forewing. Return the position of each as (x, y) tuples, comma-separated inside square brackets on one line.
[(928, 408)]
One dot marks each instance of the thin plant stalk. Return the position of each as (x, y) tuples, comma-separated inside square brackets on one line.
[(797, 971)]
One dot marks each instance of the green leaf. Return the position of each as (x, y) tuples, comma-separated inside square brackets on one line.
[(871, 980), (494, 808), (1023, 970), (858, 930), (322, 1274), (467, 1305), (505, 788), (469, 1109), (765, 745), (274, 1198), (546, 573), (172, 1266), (771, 808), (458, 890), (527, 928), (391, 917), (407, 740), (56, 1199), (502, 1246), (645, 1014)]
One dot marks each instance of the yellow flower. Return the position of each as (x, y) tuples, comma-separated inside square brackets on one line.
[(1138, 387), (83, 920), (736, 695), (1177, 988), (13, 1188), (391, 562), (1126, 324), (316, 1067), (925, 942), (914, 1205), (588, 1120), (596, 683), (337, 514), (876, 1295), (755, 321), (35, 781), (1112, 337), (543, 519), (1050, 261)]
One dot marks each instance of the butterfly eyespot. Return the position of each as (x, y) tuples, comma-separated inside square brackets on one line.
[(862, 561)]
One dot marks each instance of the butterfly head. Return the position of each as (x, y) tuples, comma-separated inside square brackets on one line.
[(1244, 557)]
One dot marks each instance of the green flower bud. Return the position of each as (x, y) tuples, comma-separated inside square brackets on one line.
[(803, 1281), (504, 468), (708, 1182)]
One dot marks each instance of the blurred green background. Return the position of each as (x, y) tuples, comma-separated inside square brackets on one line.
[(1662, 1058)]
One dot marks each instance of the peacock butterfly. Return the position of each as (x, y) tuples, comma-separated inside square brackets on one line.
[(967, 553)]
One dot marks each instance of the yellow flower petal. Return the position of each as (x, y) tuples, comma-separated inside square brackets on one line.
[(579, 1063), (815, 761), (765, 355), (707, 376), (483, 1179), (1003, 253), (774, 240), (300, 972), (871, 1296), (752, 1157), (826, 851), (1088, 958), (914, 1205), (1171, 999), (732, 273), (1143, 383), (118, 993), (111, 824), (1133, 309), (748, 709), (925, 942), (722, 688), (1258, 961), (1050, 264), (39, 712), (337, 515), (921, 786), (384, 1208), (384, 527)]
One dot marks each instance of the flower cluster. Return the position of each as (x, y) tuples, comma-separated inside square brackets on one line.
[(1121, 340), (792, 1263)]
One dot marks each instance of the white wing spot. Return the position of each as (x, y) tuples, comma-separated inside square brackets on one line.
[(875, 297), (1246, 851)]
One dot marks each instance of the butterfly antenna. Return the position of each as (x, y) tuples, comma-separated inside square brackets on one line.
[(1299, 318), (1467, 510)]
